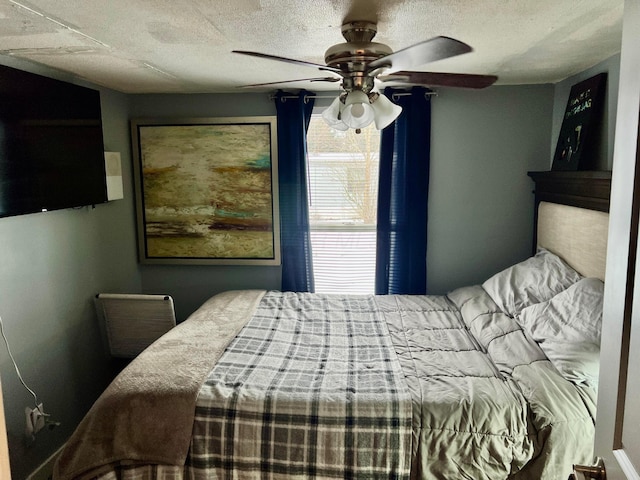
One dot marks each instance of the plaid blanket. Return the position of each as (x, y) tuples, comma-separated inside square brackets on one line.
[(311, 387)]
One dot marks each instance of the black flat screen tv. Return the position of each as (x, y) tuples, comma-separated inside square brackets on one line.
[(51, 146)]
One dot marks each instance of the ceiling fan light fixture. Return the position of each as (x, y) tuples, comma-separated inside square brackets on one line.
[(332, 116), (357, 111), (385, 111)]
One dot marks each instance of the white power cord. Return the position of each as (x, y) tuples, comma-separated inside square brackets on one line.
[(36, 418), (15, 365)]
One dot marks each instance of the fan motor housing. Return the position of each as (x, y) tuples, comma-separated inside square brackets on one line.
[(355, 53), (353, 56)]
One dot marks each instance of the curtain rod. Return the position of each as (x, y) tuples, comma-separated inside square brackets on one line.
[(393, 95)]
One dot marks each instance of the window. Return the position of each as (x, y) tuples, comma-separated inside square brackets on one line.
[(343, 199)]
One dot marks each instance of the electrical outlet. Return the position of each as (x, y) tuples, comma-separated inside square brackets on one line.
[(36, 420)]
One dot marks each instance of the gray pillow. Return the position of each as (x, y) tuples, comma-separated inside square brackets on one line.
[(535, 280), (568, 328)]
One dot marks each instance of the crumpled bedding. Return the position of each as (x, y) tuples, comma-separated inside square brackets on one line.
[(486, 402)]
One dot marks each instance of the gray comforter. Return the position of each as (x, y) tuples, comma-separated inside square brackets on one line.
[(487, 404), (320, 386)]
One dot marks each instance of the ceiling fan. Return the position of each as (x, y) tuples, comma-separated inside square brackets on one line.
[(359, 62)]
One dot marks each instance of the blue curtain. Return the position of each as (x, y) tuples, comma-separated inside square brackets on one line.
[(294, 114), (401, 265)]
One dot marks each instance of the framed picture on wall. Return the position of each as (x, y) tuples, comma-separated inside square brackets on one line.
[(207, 190), (578, 139)]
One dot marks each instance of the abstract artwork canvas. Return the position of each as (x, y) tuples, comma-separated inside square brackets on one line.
[(206, 190)]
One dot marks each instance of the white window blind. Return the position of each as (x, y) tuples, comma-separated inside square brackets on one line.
[(343, 194)]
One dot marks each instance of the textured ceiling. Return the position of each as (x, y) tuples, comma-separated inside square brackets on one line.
[(162, 46)]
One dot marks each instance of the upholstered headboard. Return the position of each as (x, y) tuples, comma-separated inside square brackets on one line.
[(572, 218), (577, 235)]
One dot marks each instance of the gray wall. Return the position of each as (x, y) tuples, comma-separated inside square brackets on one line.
[(483, 143), (480, 201), (51, 266)]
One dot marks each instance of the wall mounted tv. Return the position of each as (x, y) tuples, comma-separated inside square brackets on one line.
[(51, 147)]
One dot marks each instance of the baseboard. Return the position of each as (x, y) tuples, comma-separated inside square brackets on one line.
[(45, 471)]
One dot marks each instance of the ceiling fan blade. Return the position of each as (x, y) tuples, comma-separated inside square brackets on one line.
[(320, 79), (288, 60), (437, 48), (435, 79)]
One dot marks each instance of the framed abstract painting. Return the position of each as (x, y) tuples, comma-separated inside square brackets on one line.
[(207, 190)]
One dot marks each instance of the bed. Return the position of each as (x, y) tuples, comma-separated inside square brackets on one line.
[(492, 381)]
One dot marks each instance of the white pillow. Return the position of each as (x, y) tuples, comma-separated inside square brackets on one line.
[(535, 280), (568, 329)]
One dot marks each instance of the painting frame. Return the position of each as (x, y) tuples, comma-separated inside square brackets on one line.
[(206, 190)]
